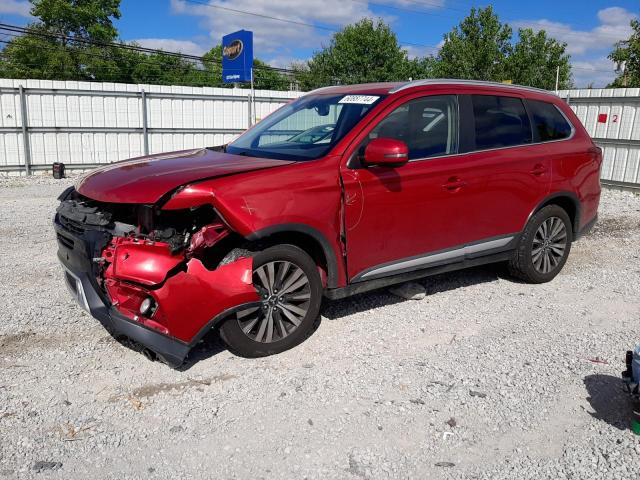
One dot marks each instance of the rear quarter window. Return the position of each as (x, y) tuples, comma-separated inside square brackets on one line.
[(548, 123)]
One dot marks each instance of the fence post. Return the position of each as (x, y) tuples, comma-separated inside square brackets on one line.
[(249, 116), (25, 131), (145, 133)]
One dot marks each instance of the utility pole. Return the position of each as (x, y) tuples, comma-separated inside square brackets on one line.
[(253, 102), (557, 77), (621, 70)]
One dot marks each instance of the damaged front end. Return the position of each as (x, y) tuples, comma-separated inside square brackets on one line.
[(154, 276)]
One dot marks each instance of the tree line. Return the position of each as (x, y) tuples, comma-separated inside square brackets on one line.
[(77, 40)]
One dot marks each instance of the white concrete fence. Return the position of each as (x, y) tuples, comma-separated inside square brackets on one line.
[(86, 124)]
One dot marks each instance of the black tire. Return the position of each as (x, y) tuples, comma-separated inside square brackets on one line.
[(522, 265), (245, 344)]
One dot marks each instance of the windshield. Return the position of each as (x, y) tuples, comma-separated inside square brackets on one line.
[(305, 129)]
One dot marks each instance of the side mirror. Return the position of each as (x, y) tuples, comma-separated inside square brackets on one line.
[(386, 152)]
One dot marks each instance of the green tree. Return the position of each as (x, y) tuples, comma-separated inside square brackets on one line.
[(535, 59), (81, 19), (476, 49), (626, 54), (366, 51), (212, 61), (38, 55), (420, 67), (481, 48), (268, 79), (31, 56)]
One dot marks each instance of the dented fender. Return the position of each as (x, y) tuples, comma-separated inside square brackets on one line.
[(261, 203), (193, 298), (191, 196)]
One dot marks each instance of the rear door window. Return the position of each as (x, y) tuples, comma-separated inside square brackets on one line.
[(548, 123), (500, 122)]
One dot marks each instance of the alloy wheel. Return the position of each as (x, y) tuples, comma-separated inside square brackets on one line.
[(285, 294), (549, 245)]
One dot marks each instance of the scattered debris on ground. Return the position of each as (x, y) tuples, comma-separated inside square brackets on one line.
[(409, 291), (484, 378)]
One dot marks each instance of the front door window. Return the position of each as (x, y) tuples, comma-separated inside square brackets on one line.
[(428, 125)]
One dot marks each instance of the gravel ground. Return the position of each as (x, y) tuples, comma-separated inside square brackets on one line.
[(483, 378)]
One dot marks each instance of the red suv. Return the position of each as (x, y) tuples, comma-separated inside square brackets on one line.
[(344, 190)]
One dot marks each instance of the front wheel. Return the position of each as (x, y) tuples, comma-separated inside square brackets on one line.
[(290, 289), (544, 246)]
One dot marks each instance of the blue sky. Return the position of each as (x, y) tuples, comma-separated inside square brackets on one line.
[(590, 27)]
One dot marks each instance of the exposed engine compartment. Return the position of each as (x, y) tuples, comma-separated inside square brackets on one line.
[(143, 222)]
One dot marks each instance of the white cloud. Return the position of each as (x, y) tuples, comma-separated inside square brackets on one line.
[(15, 7), (282, 61), (270, 35), (598, 72), (170, 45), (414, 51), (615, 16), (582, 41), (425, 4), (589, 48)]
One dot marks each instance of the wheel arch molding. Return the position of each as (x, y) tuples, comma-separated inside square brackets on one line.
[(299, 231), (568, 201)]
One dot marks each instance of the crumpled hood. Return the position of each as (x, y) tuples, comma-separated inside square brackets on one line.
[(147, 179)]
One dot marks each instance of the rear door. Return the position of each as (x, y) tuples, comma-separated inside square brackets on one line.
[(512, 173)]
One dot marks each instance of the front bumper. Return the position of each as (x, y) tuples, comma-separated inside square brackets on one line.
[(194, 300), (76, 253)]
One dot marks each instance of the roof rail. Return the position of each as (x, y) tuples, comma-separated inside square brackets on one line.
[(318, 90), (450, 81)]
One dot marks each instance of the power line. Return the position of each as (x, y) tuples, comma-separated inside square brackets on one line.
[(293, 22), (402, 9), (18, 31), (23, 30), (112, 73), (547, 28), (113, 68), (433, 48)]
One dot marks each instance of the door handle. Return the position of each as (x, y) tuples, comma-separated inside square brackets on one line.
[(538, 170), (453, 184)]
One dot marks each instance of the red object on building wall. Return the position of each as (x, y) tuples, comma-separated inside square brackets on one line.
[(602, 118)]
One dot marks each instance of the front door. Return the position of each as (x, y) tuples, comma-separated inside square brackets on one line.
[(394, 216)]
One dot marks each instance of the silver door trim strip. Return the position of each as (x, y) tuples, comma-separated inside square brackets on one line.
[(414, 263)]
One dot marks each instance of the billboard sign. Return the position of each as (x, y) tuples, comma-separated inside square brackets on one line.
[(237, 57)]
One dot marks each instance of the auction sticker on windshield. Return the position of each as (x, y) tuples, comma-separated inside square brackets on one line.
[(361, 99)]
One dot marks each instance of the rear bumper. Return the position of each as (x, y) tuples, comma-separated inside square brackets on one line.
[(76, 253), (585, 229)]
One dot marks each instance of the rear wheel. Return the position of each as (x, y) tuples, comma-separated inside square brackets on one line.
[(290, 290), (544, 246)]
